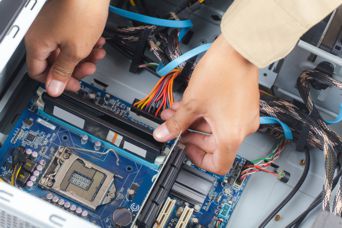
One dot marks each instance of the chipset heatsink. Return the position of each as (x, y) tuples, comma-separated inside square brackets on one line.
[(78, 179)]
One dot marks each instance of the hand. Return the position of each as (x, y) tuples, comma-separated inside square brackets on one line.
[(63, 44), (222, 99)]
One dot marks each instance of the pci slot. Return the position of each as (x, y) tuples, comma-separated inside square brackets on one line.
[(161, 190), (185, 217), (165, 213), (104, 124)]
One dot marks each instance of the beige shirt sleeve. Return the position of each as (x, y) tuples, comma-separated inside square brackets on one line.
[(264, 31)]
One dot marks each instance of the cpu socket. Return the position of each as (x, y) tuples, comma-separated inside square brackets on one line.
[(78, 179)]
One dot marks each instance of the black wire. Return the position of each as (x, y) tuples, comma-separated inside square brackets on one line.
[(297, 221), (129, 54), (292, 193)]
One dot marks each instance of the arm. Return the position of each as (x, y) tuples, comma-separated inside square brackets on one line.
[(223, 95), (264, 31)]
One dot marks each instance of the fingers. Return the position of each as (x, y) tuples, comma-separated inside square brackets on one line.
[(84, 69), (36, 68), (96, 55), (73, 85), (88, 66), (186, 114), (167, 114), (210, 162), (61, 72), (199, 125), (205, 143), (100, 43)]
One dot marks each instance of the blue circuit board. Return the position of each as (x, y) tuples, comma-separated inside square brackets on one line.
[(113, 104), (46, 134), (219, 205)]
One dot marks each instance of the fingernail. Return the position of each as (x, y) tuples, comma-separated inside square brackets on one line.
[(55, 88), (161, 133)]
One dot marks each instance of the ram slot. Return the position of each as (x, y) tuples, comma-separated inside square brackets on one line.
[(102, 123)]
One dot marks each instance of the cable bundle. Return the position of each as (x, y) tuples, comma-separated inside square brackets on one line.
[(309, 127), (161, 97), (262, 164)]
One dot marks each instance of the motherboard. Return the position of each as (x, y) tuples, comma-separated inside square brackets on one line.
[(98, 177)]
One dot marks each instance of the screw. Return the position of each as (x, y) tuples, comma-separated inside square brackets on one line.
[(66, 155), (277, 217), (302, 162), (50, 184)]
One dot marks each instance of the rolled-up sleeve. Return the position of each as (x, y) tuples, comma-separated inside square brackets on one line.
[(264, 31)]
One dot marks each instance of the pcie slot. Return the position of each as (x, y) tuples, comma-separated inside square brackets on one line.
[(165, 213), (161, 189), (185, 217)]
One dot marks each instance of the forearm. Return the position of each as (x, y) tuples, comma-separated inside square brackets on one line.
[(264, 31)]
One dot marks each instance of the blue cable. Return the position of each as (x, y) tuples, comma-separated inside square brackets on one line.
[(271, 120), (164, 70), (338, 118), (184, 25)]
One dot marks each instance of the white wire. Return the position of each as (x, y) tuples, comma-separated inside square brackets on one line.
[(98, 152)]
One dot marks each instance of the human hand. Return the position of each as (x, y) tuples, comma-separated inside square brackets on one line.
[(63, 44), (222, 99)]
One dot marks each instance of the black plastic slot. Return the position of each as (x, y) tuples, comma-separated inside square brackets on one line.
[(145, 114), (161, 190), (99, 121)]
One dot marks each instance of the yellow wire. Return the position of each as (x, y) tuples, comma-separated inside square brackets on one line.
[(15, 175), (171, 77), (12, 177), (132, 2)]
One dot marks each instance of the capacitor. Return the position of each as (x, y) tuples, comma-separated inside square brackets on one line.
[(131, 193), (39, 168), (84, 214), (36, 173), (42, 162), (197, 207), (49, 196), (34, 154), (97, 145), (28, 152), (195, 220), (29, 184), (67, 205), (73, 207), (179, 211), (79, 210), (55, 199), (33, 178), (84, 139), (122, 217), (61, 202)]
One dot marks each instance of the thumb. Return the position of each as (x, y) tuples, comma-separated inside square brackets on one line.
[(181, 120), (60, 73)]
